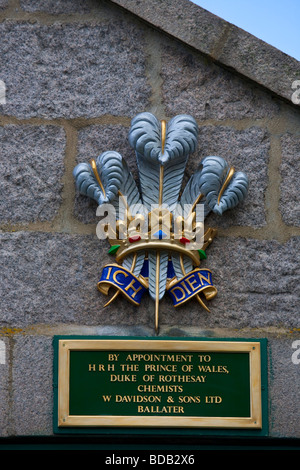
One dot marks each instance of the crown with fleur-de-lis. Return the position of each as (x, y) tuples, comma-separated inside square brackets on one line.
[(155, 234)]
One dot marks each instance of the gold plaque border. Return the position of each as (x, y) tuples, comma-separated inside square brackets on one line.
[(67, 420)]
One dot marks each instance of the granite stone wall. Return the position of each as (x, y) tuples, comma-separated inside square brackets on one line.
[(76, 73)]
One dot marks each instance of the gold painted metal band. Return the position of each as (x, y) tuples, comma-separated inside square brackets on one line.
[(226, 182), (163, 135), (94, 167), (166, 245), (157, 291)]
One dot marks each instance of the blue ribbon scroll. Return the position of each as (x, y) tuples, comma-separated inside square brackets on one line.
[(196, 281), (123, 280)]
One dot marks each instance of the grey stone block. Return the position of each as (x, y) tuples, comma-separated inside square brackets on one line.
[(5, 363), (73, 70), (233, 47), (47, 286), (262, 63), (289, 169), (284, 387), (59, 6), (257, 283), (32, 168), (194, 85), (32, 385), (181, 19), (56, 282), (3, 4)]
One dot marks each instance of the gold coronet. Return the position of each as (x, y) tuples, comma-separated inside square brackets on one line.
[(173, 244)]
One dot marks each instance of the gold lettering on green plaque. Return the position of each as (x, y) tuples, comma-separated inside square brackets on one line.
[(153, 383)]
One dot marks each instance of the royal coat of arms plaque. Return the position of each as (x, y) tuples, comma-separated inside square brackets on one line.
[(156, 228)]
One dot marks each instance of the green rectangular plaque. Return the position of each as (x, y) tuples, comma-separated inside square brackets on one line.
[(146, 383)]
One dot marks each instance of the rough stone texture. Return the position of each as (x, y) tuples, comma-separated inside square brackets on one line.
[(246, 151), (50, 284), (284, 390), (183, 19), (257, 283), (32, 160), (224, 42), (290, 168), (73, 70), (56, 282), (92, 141), (59, 6), (3, 4), (260, 62), (4, 389), (194, 85), (32, 385)]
